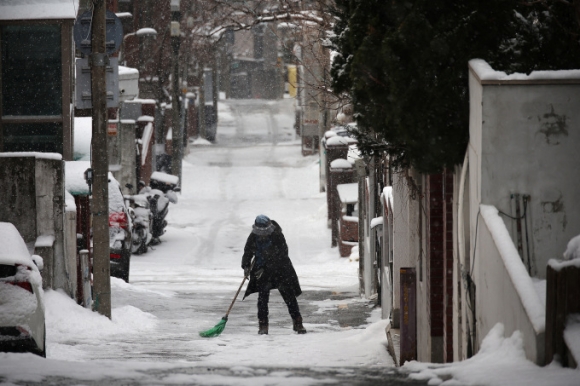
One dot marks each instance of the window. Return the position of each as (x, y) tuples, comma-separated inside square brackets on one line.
[(31, 70), (42, 137)]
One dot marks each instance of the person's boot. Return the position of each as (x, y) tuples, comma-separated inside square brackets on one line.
[(263, 330), (298, 327)]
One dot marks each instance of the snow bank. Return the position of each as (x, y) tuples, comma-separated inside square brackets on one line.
[(66, 321), (520, 278), (500, 362)]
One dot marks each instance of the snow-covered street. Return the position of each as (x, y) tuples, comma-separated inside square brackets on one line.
[(186, 284)]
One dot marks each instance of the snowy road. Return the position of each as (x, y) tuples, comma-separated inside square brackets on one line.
[(186, 283)]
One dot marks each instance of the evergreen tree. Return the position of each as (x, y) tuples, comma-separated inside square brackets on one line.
[(405, 65)]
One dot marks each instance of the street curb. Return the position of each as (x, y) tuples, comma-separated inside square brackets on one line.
[(391, 344)]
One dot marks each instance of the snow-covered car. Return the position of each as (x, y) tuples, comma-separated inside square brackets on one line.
[(119, 232), (22, 323)]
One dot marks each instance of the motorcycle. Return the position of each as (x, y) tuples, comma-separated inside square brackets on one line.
[(161, 191), (142, 218)]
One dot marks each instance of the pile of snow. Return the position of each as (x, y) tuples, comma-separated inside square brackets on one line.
[(573, 250), (200, 142), (486, 72), (82, 138), (66, 321), (340, 163), (164, 177), (500, 362), (14, 250), (74, 177), (354, 254)]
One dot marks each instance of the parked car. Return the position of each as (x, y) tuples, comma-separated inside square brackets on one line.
[(119, 232), (22, 323)]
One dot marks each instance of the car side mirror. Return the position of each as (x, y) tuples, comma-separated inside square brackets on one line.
[(39, 261)]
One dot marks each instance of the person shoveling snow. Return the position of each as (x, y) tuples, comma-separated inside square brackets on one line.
[(271, 269)]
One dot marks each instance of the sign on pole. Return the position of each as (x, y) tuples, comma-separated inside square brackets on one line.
[(113, 30)]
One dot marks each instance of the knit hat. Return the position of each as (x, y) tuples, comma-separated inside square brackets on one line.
[(262, 226)]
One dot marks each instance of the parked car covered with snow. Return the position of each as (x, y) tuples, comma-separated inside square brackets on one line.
[(119, 232), (22, 322)]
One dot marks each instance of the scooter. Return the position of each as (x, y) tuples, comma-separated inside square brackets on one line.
[(140, 212), (160, 193)]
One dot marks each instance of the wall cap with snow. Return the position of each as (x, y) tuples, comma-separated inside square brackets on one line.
[(486, 75)]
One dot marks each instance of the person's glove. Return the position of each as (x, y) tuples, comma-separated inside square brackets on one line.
[(247, 272)]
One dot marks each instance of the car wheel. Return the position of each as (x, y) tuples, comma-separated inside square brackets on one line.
[(127, 258)]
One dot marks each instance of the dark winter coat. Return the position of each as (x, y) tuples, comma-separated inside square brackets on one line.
[(276, 265)]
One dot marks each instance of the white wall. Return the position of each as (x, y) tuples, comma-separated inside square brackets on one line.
[(524, 139), (502, 294), (528, 138)]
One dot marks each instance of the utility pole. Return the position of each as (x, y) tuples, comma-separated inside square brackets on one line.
[(176, 133), (100, 163)]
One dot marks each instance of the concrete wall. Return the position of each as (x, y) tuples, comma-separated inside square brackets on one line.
[(498, 299), (460, 253), (50, 213), (531, 127), (409, 250), (18, 195), (33, 200), (523, 140), (70, 248)]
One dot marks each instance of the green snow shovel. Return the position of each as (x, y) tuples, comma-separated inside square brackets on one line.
[(219, 328)]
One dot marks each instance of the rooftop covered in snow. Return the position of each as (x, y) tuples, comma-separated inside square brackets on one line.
[(38, 9)]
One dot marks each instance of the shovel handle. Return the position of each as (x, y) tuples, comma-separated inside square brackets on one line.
[(235, 297)]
